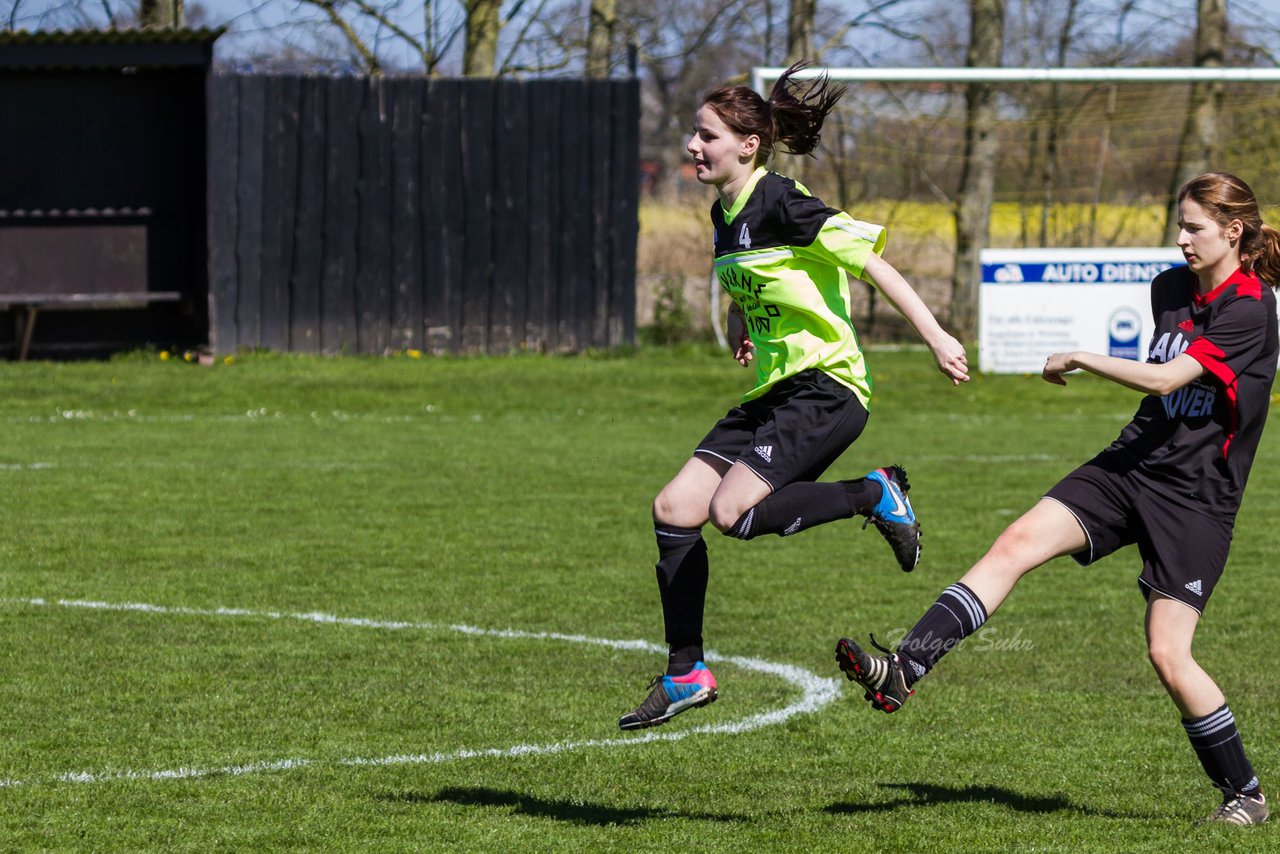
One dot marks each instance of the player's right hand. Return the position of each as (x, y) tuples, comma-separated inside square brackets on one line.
[(1055, 366), (740, 339)]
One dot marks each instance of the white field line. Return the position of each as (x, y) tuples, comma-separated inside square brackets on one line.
[(334, 466), (429, 414), (815, 692), (989, 458)]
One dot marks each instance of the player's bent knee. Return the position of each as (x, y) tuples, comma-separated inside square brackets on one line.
[(662, 509), (721, 520), (673, 508), (725, 514)]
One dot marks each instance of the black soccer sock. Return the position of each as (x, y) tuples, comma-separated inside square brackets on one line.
[(680, 659), (798, 506), (1220, 750), (957, 614), (864, 494), (682, 582)]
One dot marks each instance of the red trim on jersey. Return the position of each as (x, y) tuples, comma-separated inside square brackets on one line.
[(1235, 418), (1209, 355), (1249, 286)]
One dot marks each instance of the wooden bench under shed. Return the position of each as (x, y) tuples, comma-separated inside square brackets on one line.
[(73, 260)]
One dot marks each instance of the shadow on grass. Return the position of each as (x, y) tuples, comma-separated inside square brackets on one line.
[(928, 794), (566, 811)]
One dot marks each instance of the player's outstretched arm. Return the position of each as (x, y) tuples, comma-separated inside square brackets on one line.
[(1146, 377), (947, 351)]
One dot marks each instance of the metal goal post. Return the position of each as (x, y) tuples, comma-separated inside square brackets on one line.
[(761, 76)]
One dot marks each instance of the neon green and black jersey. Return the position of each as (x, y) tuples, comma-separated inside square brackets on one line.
[(782, 255)]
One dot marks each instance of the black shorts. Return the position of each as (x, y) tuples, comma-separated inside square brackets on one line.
[(793, 432), (1183, 550)]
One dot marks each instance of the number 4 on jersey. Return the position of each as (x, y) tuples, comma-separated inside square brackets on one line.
[(744, 237)]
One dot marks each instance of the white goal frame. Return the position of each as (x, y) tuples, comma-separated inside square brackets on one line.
[(761, 75)]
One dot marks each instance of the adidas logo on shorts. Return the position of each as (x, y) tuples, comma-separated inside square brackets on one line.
[(765, 452), (1194, 587)]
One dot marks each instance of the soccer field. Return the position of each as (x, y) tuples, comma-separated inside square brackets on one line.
[(400, 604)]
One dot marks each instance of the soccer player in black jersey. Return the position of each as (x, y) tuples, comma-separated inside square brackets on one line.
[(785, 259), (1171, 483)]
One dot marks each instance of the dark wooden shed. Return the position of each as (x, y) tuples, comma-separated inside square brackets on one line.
[(306, 214), (102, 202)]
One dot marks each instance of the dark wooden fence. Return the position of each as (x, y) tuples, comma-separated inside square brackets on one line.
[(369, 215)]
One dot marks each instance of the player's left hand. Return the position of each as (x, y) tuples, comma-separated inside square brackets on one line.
[(952, 361)]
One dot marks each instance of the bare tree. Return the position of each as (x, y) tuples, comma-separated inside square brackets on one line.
[(801, 18), (160, 13), (898, 20), (1199, 146), (977, 178), (1054, 125), (68, 14), (600, 30), (478, 37), (684, 49), (370, 30), (484, 24)]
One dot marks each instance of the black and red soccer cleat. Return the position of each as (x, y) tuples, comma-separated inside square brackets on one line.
[(880, 676)]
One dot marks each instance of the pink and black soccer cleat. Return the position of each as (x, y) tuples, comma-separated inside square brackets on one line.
[(670, 696)]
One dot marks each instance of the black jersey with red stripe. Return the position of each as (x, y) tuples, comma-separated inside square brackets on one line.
[(1196, 444)]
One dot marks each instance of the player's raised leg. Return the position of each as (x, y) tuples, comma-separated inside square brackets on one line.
[(1046, 531), (881, 497)]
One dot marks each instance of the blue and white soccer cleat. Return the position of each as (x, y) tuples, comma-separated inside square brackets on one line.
[(670, 696), (893, 516)]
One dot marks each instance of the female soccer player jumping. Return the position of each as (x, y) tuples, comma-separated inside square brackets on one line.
[(1172, 481), (782, 255)]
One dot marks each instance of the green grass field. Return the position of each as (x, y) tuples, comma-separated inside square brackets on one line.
[(333, 548)]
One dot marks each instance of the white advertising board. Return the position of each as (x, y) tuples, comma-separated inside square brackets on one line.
[(1035, 302)]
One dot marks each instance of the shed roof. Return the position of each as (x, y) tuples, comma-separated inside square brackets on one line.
[(107, 49)]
